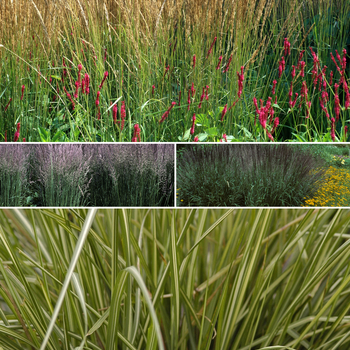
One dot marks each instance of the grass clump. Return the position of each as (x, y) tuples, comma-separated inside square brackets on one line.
[(14, 167), (247, 175), (60, 175), (176, 279)]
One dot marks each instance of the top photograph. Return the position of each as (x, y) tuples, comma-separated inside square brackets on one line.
[(174, 71)]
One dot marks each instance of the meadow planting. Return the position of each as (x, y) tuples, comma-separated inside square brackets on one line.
[(254, 175), (62, 175), (174, 70), (174, 279)]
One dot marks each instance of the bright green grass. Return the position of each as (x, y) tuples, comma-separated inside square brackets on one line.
[(197, 279)]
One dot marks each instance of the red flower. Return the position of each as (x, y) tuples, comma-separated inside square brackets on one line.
[(80, 67), (122, 115), (189, 99), (240, 81), (137, 135), (195, 139), (274, 87), (194, 61), (87, 83), (7, 106), (336, 101), (211, 47), (115, 111), (17, 133), (223, 112), (23, 87), (302, 67), (166, 114), (333, 129), (293, 72), (228, 64), (153, 87), (97, 102), (201, 100), (206, 93), (103, 80), (193, 90), (219, 64), (286, 47), (76, 89), (193, 122), (224, 137), (300, 57)]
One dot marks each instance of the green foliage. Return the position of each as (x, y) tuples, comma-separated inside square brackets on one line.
[(165, 279), (247, 175)]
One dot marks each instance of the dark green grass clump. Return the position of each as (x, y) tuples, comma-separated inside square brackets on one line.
[(247, 175)]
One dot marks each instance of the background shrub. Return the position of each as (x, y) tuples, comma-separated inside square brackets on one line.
[(247, 175)]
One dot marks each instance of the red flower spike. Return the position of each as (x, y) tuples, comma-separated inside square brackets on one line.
[(87, 83), (137, 134), (274, 87), (302, 68), (228, 65), (80, 67), (17, 133), (286, 47), (193, 123), (166, 114), (97, 102), (23, 87), (211, 47), (202, 97), (76, 89), (240, 82), (195, 139), (206, 93), (300, 57), (153, 87), (331, 78), (24, 139), (122, 115), (333, 129), (223, 112), (103, 80), (115, 111), (7, 106), (336, 101), (224, 137), (219, 64), (194, 61), (6, 136), (293, 72)]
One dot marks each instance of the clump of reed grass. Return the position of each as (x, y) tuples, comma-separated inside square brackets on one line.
[(247, 175), (14, 166)]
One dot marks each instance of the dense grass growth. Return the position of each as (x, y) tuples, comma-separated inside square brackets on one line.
[(247, 175), (14, 167), (175, 279), (57, 175), (211, 58)]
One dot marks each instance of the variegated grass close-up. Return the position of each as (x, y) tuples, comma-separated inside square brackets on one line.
[(224, 279)]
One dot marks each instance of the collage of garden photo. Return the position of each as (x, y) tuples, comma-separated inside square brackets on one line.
[(174, 175)]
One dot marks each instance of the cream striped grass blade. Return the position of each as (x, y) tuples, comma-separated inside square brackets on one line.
[(78, 248)]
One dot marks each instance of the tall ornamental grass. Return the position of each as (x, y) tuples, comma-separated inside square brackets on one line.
[(170, 70), (14, 167), (75, 175), (132, 175), (247, 175), (62, 175), (175, 279)]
